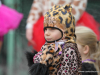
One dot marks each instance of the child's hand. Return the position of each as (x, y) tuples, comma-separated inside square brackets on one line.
[(29, 36)]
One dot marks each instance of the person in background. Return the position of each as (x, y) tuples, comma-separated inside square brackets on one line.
[(89, 48), (9, 20), (34, 27)]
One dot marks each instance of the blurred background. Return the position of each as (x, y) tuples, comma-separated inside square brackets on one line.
[(12, 55)]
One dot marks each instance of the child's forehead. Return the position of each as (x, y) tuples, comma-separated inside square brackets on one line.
[(51, 28)]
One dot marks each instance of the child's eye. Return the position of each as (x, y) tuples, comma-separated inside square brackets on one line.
[(45, 29)]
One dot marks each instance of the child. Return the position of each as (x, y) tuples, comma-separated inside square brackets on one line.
[(89, 48), (59, 55), (36, 17)]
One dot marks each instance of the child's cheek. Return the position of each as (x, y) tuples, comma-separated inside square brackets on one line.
[(56, 37)]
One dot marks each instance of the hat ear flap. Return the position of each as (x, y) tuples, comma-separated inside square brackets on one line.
[(68, 7)]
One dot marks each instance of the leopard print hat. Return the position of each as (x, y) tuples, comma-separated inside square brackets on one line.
[(61, 18)]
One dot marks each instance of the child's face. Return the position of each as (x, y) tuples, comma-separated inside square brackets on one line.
[(84, 51), (52, 34), (80, 48)]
